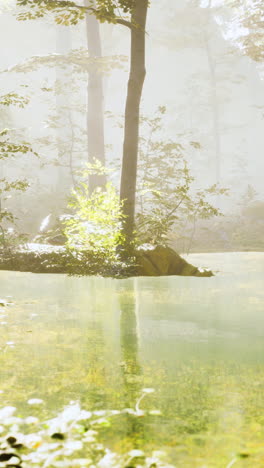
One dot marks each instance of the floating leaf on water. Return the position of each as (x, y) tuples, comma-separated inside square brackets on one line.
[(35, 401), (58, 435), (73, 412), (73, 445), (6, 412), (136, 454), (108, 460), (243, 455), (7, 456), (14, 422), (11, 440), (18, 446)]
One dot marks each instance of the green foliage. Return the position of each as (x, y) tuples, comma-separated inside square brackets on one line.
[(167, 196), (78, 59), (10, 148), (96, 222), (14, 99), (68, 12)]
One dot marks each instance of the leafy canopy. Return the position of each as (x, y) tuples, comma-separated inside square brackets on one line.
[(68, 12), (248, 21)]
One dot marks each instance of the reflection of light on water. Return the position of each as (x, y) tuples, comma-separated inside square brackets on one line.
[(187, 331)]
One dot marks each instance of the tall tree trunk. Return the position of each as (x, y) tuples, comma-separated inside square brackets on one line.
[(95, 104), (131, 135), (214, 100), (215, 112), (63, 181)]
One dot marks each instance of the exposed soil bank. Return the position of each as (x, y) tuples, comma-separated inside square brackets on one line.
[(44, 258)]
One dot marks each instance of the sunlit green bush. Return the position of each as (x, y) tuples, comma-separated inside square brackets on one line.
[(94, 230)]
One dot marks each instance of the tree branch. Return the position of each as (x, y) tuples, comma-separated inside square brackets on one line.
[(126, 23), (60, 6)]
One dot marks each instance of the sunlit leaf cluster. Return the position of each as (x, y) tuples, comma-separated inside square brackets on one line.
[(96, 222), (68, 12), (8, 148), (13, 99)]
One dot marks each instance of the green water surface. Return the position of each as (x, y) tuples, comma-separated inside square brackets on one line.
[(199, 342)]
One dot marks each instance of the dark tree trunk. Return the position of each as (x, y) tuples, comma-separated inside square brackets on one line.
[(134, 92), (95, 104)]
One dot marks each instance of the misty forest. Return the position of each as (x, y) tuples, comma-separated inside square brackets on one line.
[(131, 233)]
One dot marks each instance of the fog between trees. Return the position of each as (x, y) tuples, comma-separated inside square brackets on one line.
[(197, 67)]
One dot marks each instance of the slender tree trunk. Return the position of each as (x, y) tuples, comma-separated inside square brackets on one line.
[(63, 182), (214, 101), (95, 104), (131, 135), (129, 346), (215, 112)]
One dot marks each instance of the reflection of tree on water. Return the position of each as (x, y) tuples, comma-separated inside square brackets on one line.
[(129, 342), (95, 353), (131, 368)]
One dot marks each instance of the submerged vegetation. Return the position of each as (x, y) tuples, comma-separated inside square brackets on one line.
[(71, 439), (206, 408)]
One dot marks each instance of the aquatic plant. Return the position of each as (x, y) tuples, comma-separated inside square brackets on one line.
[(71, 438)]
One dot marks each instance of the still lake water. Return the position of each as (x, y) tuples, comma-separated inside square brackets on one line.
[(199, 342)]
